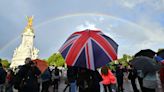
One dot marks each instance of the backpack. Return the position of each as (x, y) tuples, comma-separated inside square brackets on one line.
[(19, 79), (55, 74), (46, 75)]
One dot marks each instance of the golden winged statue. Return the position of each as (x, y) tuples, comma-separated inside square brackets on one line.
[(30, 20)]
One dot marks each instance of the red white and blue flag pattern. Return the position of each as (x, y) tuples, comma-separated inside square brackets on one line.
[(89, 49), (159, 59)]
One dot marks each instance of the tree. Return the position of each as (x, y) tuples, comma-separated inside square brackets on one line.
[(56, 59), (51, 59), (124, 61), (5, 63), (160, 49)]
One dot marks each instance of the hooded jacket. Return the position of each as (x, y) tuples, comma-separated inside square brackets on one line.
[(109, 78)]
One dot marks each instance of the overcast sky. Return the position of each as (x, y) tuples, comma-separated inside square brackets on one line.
[(133, 24)]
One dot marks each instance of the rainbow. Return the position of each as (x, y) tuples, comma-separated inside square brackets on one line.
[(86, 14), (54, 19)]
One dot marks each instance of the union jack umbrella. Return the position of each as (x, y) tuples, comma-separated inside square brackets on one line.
[(89, 49)]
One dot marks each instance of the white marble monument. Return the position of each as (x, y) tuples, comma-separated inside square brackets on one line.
[(26, 48)]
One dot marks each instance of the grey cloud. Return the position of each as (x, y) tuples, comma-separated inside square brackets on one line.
[(152, 4)]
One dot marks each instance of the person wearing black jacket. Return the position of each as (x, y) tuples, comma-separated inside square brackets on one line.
[(72, 78), (119, 76), (27, 76), (132, 76), (95, 78)]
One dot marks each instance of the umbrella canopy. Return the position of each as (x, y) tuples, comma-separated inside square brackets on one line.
[(145, 64), (146, 52), (89, 49), (161, 53), (41, 64), (160, 56)]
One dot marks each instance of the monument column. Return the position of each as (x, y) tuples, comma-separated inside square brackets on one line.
[(26, 48)]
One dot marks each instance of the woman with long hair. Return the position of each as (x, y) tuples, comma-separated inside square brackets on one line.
[(109, 80)]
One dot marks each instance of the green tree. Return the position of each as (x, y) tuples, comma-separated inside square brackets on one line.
[(51, 59), (125, 59), (160, 49), (56, 59), (5, 63)]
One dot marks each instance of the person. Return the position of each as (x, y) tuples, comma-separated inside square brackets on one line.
[(147, 80), (119, 76), (9, 80), (84, 80), (26, 79), (161, 74), (65, 79), (160, 58), (46, 80), (3, 74), (109, 80), (132, 77), (72, 78), (126, 72), (96, 79), (55, 77), (150, 82), (88, 80)]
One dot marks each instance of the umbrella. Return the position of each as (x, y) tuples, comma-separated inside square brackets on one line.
[(161, 53), (145, 52), (145, 64), (41, 64), (160, 56), (89, 49)]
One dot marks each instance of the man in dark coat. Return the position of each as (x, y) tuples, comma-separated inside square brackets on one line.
[(132, 76), (119, 76), (96, 79), (72, 78), (27, 77)]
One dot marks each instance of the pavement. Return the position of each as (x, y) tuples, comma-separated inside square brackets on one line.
[(127, 87)]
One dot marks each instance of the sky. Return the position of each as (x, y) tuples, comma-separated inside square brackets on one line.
[(133, 24)]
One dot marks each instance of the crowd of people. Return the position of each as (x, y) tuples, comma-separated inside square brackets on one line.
[(28, 78), (85, 80)]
